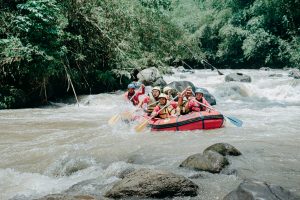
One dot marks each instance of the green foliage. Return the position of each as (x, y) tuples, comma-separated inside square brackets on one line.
[(33, 45), (230, 48), (237, 33), (290, 51), (261, 47), (45, 44), (157, 5), (11, 97)]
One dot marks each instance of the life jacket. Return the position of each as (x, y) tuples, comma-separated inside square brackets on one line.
[(130, 95), (166, 112), (197, 105), (183, 110), (151, 105)]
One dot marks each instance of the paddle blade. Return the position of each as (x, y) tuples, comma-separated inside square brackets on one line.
[(114, 119), (128, 115), (141, 126), (235, 121)]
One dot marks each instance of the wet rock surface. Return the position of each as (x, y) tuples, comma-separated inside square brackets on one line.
[(239, 77), (223, 149), (210, 161), (151, 76), (179, 86), (152, 183), (257, 190)]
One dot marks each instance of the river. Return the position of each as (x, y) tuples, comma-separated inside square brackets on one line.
[(46, 150)]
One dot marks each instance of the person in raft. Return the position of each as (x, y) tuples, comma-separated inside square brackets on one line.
[(167, 90), (132, 95), (183, 102), (168, 111), (193, 103), (151, 100)]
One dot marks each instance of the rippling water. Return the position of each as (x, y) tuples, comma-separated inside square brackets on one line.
[(47, 150)]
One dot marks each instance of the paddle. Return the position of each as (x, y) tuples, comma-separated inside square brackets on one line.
[(128, 114), (142, 125), (212, 67), (233, 120), (114, 119)]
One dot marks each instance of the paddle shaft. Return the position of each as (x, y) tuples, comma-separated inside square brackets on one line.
[(116, 117), (168, 103), (211, 108), (152, 103), (233, 120), (135, 93), (141, 126)]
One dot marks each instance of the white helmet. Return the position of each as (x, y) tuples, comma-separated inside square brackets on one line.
[(156, 88), (167, 88), (162, 95)]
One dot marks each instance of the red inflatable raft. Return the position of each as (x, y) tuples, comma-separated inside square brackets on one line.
[(193, 121)]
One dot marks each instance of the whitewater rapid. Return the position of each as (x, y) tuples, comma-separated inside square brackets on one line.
[(47, 150)]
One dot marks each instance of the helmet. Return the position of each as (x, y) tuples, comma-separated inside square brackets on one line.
[(163, 96), (167, 88), (131, 85), (156, 88), (199, 90), (137, 84), (189, 90)]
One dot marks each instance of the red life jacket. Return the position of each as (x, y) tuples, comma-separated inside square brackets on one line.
[(196, 106), (133, 100)]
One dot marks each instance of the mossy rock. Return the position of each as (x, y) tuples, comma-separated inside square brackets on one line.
[(223, 149)]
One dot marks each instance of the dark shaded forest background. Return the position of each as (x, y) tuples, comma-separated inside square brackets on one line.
[(50, 48)]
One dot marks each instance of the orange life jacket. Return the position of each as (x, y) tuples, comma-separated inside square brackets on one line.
[(151, 104), (166, 112)]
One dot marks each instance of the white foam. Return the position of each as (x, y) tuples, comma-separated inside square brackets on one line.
[(33, 185)]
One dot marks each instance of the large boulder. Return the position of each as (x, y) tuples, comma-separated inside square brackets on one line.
[(295, 73), (146, 183), (223, 149), (179, 86), (240, 77), (160, 82), (210, 161), (254, 190), (151, 76)]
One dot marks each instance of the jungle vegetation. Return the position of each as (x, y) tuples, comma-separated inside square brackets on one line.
[(52, 48)]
